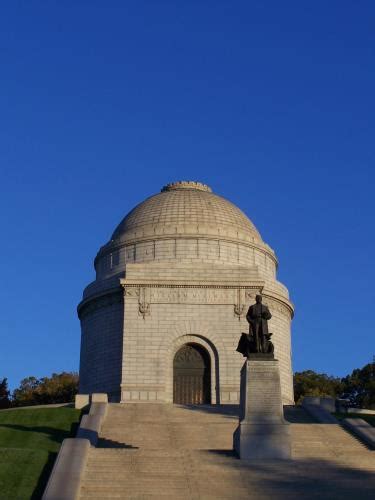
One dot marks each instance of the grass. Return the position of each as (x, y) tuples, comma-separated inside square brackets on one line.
[(29, 442), (367, 417)]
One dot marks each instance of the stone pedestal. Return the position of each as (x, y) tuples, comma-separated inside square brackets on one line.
[(262, 432)]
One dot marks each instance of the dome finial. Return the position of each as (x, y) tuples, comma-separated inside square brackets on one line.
[(199, 186)]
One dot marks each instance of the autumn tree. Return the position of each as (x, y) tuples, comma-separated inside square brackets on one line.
[(24, 394), (59, 388)]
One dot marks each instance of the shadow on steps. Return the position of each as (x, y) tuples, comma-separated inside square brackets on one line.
[(225, 410), (109, 443)]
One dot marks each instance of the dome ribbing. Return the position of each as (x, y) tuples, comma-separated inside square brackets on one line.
[(182, 204)]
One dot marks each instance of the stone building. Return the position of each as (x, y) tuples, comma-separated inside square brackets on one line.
[(163, 317)]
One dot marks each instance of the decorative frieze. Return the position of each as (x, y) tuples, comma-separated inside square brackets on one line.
[(190, 295), (240, 297), (144, 309), (144, 302), (239, 310), (131, 292)]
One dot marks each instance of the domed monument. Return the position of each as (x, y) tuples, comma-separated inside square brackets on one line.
[(162, 319)]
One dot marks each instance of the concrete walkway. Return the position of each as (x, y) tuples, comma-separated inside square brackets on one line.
[(167, 451)]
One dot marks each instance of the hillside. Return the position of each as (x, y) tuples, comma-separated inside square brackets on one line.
[(29, 442)]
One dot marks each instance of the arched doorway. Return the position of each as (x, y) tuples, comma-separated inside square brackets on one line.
[(192, 375)]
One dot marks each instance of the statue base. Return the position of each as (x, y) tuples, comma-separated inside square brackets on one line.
[(260, 355), (262, 432)]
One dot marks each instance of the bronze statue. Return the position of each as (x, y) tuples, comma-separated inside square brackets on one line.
[(257, 317), (257, 341)]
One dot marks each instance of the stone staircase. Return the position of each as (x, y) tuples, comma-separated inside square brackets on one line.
[(150, 451)]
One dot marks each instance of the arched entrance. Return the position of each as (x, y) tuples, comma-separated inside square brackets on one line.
[(192, 375)]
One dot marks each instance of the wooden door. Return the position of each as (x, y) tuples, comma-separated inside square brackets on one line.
[(191, 375)]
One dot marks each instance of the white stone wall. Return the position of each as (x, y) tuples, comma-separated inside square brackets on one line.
[(102, 332), (152, 340)]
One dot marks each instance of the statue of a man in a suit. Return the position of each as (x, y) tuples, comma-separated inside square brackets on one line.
[(257, 316)]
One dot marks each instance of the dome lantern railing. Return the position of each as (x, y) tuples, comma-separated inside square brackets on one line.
[(199, 186)]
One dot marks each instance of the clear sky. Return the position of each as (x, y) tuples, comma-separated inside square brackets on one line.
[(270, 103)]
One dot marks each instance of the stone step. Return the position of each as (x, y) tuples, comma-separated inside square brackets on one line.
[(130, 492), (178, 482), (153, 484), (96, 467), (182, 445), (140, 485), (165, 420), (130, 472), (106, 453), (85, 495), (170, 443), (140, 463), (184, 453), (126, 416), (338, 445), (179, 428), (126, 475), (202, 463), (185, 429), (170, 434)]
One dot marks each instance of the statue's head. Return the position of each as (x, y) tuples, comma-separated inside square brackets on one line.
[(258, 299)]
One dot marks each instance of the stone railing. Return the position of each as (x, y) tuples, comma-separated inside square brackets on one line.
[(321, 408), (66, 476)]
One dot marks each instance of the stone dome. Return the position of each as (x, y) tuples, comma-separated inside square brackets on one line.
[(186, 207), (186, 221)]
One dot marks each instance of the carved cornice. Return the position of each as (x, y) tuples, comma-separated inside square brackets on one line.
[(149, 284)]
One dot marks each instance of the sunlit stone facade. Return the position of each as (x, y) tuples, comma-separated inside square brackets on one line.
[(181, 268)]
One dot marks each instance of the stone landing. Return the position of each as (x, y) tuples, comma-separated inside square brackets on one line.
[(152, 451)]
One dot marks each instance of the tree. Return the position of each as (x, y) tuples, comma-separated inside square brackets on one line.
[(4, 394), (359, 387), (59, 388), (310, 383), (24, 394)]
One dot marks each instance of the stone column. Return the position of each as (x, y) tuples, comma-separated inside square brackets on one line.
[(262, 432)]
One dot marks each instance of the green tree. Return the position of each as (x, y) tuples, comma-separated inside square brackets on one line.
[(310, 383), (4, 394), (359, 387), (59, 388)]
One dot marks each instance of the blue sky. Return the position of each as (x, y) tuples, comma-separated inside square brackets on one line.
[(270, 103)]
